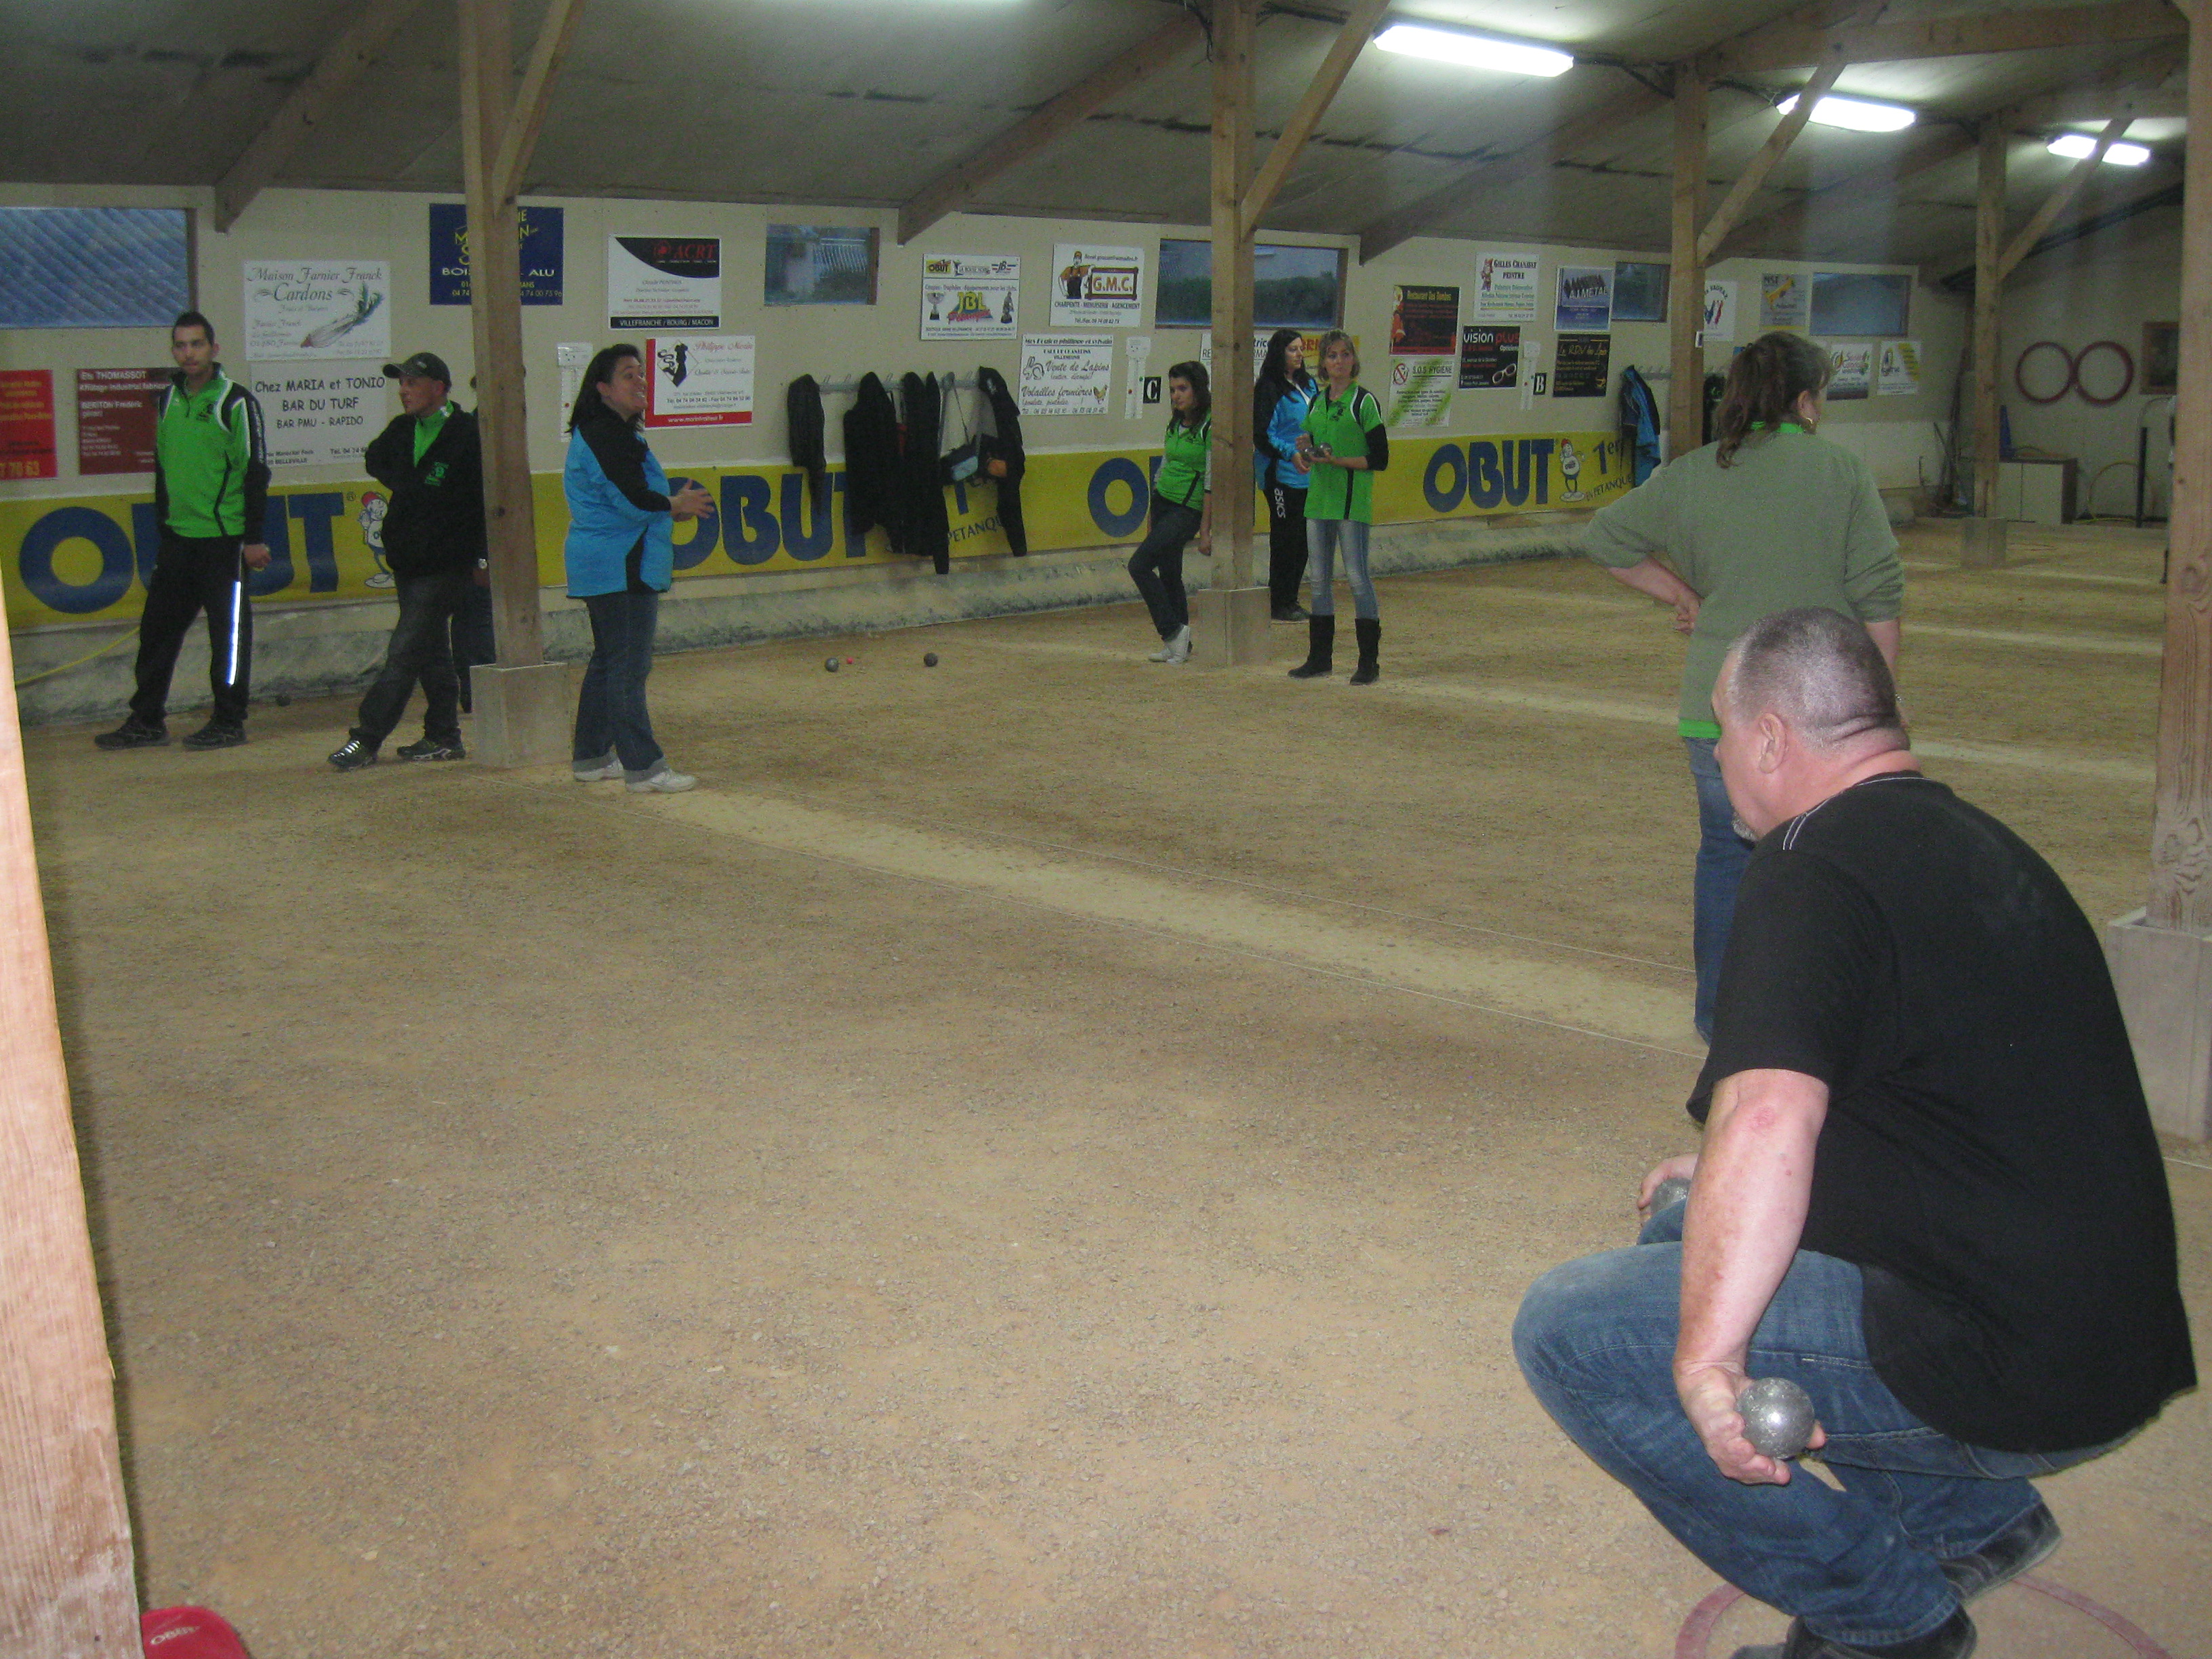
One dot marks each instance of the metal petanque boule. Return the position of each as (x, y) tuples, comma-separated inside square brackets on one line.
[(1673, 1190), (1777, 1416)]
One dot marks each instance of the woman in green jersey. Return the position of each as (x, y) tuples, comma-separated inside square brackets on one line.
[(1181, 509), (1343, 447)]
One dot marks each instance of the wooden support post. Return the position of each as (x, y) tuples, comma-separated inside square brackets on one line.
[(1984, 536), (486, 53), (1686, 306), (1230, 625), (2161, 955), (64, 1533)]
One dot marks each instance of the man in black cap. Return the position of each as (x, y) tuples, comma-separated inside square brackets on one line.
[(431, 460)]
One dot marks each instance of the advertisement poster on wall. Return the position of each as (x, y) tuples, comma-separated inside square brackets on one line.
[(26, 424), (1784, 300), (1720, 311), (1094, 287), (1851, 363), (1489, 357), (820, 266), (1583, 366), (543, 255), (1066, 373), (1425, 323), (699, 380), (571, 358), (665, 282), (1585, 298), (1898, 369), (1505, 288), (318, 414), (115, 419), (1420, 391), (304, 309), (971, 296)]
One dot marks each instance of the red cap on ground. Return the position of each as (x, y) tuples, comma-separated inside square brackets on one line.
[(189, 1633)]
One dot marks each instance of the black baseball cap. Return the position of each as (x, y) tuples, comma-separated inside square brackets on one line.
[(428, 364)]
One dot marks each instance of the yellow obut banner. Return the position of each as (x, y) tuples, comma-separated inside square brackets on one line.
[(86, 558)]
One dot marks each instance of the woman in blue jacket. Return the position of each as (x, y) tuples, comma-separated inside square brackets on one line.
[(621, 557), (1279, 402)]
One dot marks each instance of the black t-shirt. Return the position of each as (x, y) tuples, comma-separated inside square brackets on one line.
[(1987, 1159)]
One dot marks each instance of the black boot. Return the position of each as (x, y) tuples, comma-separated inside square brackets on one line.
[(1369, 630), (1320, 649)]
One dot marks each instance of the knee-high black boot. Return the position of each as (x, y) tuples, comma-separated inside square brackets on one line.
[(1320, 649), (1369, 630)]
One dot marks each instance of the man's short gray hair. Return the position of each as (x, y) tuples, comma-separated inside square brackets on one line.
[(1821, 672)]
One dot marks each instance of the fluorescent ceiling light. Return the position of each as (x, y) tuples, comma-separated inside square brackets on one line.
[(1854, 113), (1482, 52), (2078, 146)]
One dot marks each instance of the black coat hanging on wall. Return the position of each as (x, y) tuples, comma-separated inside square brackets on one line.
[(929, 527), (873, 494)]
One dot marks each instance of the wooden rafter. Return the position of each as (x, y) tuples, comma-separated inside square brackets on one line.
[(526, 117), (2068, 188), (1769, 154), (1326, 82), (1791, 42), (346, 61), (961, 183), (1863, 190)]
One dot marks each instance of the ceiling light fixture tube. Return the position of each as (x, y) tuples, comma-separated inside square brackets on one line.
[(1855, 113), (2078, 146), (1482, 52)]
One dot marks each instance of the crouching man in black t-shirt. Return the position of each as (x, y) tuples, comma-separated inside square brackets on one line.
[(1929, 1193)]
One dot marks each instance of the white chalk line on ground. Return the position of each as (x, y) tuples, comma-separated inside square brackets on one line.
[(1611, 1005), (1579, 705), (2100, 644), (2034, 573)]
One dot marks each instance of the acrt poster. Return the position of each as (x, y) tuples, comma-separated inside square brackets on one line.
[(699, 380), (665, 282)]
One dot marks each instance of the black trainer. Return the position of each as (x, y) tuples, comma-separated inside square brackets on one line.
[(1952, 1639), (433, 749), (133, 734), (218, 734), (2022, 1545), (356, 752)]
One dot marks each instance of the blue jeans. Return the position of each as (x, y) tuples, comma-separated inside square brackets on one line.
[(1595, 1339), (1722, 856), (1323, 537), (1157, 566), (419, 650), (610, 714)]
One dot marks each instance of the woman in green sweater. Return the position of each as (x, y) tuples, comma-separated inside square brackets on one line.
[(1767, 519), (1181, 509)]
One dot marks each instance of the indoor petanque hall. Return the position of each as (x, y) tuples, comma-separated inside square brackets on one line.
[(1005, 1101)]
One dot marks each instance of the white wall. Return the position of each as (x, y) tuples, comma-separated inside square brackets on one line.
[(839, 343), (2103, 287)]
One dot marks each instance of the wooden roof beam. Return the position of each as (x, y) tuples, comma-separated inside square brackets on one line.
[(1792, 42), (1770, 152), (2068, 188), (526, 116), (349, 58), (1350, 40), (961, 183)]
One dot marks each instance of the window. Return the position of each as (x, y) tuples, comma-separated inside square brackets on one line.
[(94, 267), (1291, 287)]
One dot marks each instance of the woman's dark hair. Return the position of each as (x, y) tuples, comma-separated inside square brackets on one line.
[(596, 373), (1273, 369), (1763, 384), (1201, 402)]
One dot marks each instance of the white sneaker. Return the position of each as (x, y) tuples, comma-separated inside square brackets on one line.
[(1178, 648), (613, 769), (668, 782)]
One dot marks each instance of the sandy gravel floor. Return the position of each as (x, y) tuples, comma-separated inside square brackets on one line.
[(1037, 1157)]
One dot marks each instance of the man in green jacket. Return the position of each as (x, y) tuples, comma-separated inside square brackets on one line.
[(210, 489)]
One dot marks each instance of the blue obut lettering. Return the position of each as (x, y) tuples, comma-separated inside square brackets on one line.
[(1119, 470), (1444, 483), (46, 536), (1486, 484), (749, 528), (809, 536), (706, 532)]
